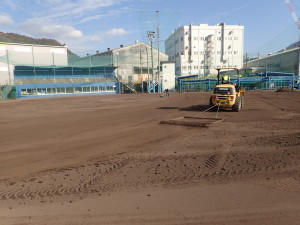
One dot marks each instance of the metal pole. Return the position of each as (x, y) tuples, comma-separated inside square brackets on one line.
[(117, 65), (150, 36), (198, 50), (158, 40), (141, 70), (153, 85), (8, 67), (54, 72), (299, 55), (246, 64), (33, 62), (148, 85)]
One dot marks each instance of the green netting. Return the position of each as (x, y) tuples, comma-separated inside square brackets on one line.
[(7, 92), (279, 54)]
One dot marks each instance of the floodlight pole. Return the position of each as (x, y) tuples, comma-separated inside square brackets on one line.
[(151, 36), (158, 40)]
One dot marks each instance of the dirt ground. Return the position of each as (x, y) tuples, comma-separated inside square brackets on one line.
[(107, 160)]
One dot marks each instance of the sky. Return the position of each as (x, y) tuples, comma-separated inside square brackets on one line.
[(87, 26)]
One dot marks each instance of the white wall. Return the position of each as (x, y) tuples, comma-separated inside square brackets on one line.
[(168, 76)]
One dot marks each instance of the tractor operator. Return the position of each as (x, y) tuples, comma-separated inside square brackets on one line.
[(226, 80)]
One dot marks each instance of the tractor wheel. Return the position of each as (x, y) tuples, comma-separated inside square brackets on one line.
[(237, 105), (242, 102)]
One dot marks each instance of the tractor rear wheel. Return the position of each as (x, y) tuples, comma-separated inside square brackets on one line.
[(237, 105), (242, 102)]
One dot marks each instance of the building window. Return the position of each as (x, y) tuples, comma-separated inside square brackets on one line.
[(236, 38), (195, 53), (184, 68), (229, 38), (235, 52), (196, 67)]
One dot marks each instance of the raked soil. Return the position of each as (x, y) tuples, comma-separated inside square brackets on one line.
[(108, 160)]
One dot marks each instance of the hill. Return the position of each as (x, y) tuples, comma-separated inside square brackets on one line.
[(22, 39)]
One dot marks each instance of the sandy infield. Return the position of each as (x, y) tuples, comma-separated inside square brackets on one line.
[(107, 160)]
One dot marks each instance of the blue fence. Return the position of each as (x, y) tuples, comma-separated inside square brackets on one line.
[(248, 83)]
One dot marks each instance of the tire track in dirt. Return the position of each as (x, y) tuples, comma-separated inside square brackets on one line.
[(141, 170), (54, 182)]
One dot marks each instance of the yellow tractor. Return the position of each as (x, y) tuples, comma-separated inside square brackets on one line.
[(227, 95)]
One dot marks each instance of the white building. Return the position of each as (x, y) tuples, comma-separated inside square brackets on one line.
[(199, 49), (12, 54)]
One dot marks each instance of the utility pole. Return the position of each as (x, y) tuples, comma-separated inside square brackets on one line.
[(141, 70), (148, 85), (151, 36), (158, 40)]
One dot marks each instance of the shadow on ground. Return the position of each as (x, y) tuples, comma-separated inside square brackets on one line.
[(195, 108), (168, 108)]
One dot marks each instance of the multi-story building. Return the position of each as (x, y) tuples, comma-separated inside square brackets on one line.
[(199, 49)]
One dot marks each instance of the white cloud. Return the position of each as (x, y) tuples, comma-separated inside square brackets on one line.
[(6, 20), (51, 31), (116, 31), (96, 37), (90, 18), (72, 11)]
